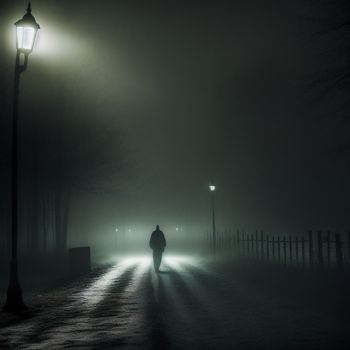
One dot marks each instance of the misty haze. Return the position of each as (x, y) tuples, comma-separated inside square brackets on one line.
[(175, 174)]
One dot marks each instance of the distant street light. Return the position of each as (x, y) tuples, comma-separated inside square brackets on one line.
[(212, 188), (26, 30)]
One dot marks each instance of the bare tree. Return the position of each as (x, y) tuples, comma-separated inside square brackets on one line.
[(331, 39)]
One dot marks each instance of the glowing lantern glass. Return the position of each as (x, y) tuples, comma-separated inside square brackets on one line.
[(26, 30), (212, 188)]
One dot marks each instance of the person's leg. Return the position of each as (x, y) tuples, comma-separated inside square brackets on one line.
[(157, 257), (160, 258), (155, 260)]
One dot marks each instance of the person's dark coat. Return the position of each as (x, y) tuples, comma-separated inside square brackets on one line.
[(157, 241)]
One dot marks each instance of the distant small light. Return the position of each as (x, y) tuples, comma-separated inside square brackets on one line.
[(177, 229), (116, 229), (212, 188), (129, 230)]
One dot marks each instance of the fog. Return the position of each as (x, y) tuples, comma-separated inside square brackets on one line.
[(178, 176), (192, 92), (133, 108)]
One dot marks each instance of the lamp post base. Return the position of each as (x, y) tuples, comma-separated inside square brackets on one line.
[(14, 302)]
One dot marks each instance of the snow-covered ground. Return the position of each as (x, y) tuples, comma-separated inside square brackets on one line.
[(189, 305)]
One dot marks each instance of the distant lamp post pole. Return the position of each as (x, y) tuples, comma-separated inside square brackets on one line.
[(212, 188), (26, 30), (116, 237)]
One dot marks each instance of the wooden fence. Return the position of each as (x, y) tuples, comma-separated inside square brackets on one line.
[(322, 248)]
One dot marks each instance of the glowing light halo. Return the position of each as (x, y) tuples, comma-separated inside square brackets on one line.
[(178, 259), (136, 277), (146, 259), (98, 288), (142, 259), (95, 292)]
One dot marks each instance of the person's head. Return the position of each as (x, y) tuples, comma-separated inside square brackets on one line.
[(157, 227)]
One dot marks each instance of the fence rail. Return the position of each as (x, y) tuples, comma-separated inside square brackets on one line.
[(324, 249)]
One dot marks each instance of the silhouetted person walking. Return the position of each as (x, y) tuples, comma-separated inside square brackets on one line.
[(157, 243)]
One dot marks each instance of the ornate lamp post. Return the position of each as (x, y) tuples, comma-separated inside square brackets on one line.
[(212, 188), (26, 30)]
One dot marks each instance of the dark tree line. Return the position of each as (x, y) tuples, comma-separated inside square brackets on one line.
[(62, 153), (331, 38)]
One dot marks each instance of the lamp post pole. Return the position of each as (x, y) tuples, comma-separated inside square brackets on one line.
[(14, 300), (212, 190), (26, 32)]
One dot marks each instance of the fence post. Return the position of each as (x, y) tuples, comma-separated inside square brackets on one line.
[(243, 243), (328, 242), (262, 244), (267, 247), (310, 249), (296, 250), (338, 251), (256, 244), (251, 245), (273, 248), (290, 250), (238, 243), (279, 249), (285, 250), (252, 242), (320, 248), (223, 242), (235, 242), (248, 246), (303, 251)]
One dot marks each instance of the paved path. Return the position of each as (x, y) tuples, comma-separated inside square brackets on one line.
[(186, 306)]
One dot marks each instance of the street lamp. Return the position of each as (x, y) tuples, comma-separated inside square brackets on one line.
[(212, 188), (26, 30)]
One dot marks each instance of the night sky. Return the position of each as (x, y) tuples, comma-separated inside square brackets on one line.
[(188, 91)]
